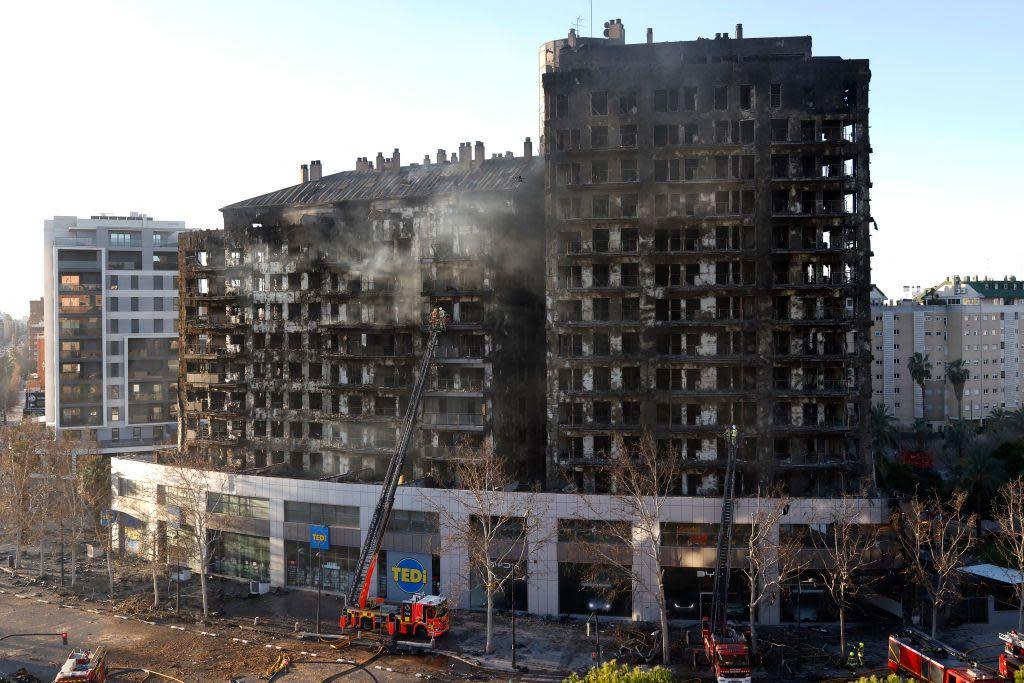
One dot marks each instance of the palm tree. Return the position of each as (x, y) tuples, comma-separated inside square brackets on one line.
[(883, 436), (957, 374), (921, 431), (920, 369), (982, 474), (883, 428), (959, 435), (999, 422)]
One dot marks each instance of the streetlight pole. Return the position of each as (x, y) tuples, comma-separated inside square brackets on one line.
[(319, 585), (62, 554), (513, 619)]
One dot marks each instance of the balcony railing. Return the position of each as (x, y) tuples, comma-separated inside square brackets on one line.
[(455, 419), (811, 385), (464, 351)]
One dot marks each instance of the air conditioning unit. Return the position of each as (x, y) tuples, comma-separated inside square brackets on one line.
[(259, 587)]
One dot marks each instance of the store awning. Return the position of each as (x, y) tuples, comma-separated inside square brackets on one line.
[(993, 572)]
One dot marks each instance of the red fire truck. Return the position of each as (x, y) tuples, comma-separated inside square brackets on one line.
[(728, 654), (725, 647), (421, 615), (915, 654), (84, 666), (1011, 659)]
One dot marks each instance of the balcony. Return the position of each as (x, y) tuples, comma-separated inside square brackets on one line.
[(783, 243), (827, 316), (455, 287), (808, 386), (75, 241), (812, 280), (453, 419), (598, 247), (216, 320), (821, 207), (69, 287), (463, 352), (785, 424)]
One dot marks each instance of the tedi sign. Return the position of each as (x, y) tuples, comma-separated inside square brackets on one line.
[(408, 574)]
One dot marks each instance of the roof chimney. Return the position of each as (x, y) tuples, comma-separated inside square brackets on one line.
[(650, 36), (442, 156), (380, 161), (465, 153), (305, 172), (478, 154), (455, 158), (615, 32), (426, 160), (739, 31), (527, 148), (396, 160), (316, 171)]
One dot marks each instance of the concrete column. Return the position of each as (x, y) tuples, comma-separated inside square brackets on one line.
[(542, 569), (277, 559), (645, 584), (455, 558)]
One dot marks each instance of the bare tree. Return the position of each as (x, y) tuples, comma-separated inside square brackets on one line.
[(500, 533), (771, 563), (1009, 518), (642, 483), (20, 460), (10, 382), (848, 549), (189, 480), (92, 472), (56, 492), (936, 534)]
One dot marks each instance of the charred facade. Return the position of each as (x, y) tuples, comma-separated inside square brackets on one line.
[(707, 257), (304, 319)]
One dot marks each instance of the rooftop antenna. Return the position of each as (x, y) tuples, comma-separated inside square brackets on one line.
[(577, 22), (591, 18)]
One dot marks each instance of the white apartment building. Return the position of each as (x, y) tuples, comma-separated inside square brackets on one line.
[(977, 320), (111, 329)]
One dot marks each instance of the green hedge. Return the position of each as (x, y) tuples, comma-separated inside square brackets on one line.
[(613, 672)]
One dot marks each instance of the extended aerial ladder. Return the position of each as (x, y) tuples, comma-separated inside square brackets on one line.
[(726, 650), (422, 614)]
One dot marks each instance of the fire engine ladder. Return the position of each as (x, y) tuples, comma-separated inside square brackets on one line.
[(360, 588), (720, 596)]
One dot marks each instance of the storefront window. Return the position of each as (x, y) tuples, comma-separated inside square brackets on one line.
[(693, 535), (346, 516), (239, 506), (302, 564), (503, 595), (688, 592), (806, 600), (240, 556), (585, 588)]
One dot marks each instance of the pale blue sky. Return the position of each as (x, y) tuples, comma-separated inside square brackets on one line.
[(178, 108)]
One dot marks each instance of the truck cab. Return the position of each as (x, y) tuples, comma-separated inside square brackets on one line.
[(84, 666)]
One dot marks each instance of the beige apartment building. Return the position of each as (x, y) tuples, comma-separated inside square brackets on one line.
[(977, 320)]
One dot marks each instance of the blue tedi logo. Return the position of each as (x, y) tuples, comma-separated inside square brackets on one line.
[(409, 575)]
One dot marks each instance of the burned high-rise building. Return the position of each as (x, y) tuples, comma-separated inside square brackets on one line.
[(304, 319), (690, 253), (707, 257)]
